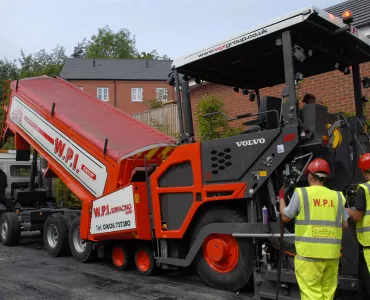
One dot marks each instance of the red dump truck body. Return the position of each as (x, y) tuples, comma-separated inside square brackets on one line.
[(69, 128)]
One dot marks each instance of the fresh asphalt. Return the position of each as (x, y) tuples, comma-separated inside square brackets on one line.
[(28, 272)]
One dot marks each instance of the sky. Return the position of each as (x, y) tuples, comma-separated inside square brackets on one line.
[(172, 27)]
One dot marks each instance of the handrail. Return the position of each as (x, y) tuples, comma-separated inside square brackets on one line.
[(359, 122), (350, 129), (246, 115)]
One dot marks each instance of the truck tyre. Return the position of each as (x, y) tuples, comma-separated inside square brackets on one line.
[(122, 257), (70, 218), (56, 235), (81, 250), (144, 261), (223, 261), (10, 229)]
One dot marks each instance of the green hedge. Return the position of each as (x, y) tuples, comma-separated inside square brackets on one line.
[(64, 195), (220, 126)]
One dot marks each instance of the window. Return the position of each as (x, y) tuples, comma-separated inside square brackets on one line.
[(162, 94), (20, 171), (137, 94), (81, 87), (103, 93)]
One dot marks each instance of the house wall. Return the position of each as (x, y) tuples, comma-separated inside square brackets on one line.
[(332, 89), (123, 92)]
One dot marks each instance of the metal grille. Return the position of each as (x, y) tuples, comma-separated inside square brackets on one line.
[(220, 160), (219, 194), (177, 175)]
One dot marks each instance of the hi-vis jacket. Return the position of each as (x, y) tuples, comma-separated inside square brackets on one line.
[(318, 226), (363, 226)]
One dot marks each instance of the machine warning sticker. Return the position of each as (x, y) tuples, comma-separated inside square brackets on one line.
[(263, 173), (80, 164), (280, 148), (114, 212)]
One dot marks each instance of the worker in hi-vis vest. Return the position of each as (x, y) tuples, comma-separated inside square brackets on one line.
[(361, 214), (319, 215)]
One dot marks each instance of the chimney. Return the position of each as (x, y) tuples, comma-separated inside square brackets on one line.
[(147, 63), (94, 63)]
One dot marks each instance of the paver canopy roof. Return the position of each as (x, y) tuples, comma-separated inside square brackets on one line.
[(254, 59)]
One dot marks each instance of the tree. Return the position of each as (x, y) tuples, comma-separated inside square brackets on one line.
[(8, 70), (108, 44), (215, 126), (152, 55), (36, 64), (64, 196), (30, 65), (154, 104), (42, 62), (80, 50)]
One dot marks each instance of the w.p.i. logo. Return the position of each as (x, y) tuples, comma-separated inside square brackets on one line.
[(17, 114)]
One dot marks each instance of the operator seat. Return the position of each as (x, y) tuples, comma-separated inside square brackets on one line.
[(265, 121)]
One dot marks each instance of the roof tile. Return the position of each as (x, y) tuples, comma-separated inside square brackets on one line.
[(119, 69), (359, 8)]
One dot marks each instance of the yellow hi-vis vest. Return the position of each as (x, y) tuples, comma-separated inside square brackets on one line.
[(363, 226), (318, 226)]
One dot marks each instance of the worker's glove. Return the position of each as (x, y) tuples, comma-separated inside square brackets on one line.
[(285, 189), (281, 193)]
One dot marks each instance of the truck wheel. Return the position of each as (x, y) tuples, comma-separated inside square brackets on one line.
[(70, 218), (56, 235), (122, 257), (223, 261), (10, 229), (144, 261), (81, 250)]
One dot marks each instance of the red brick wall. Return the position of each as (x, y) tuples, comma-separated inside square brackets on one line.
[(123, 92), (332, 89)]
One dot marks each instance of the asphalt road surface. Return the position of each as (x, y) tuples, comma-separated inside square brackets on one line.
[(28, 272)]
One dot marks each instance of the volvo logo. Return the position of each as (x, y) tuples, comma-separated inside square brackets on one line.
[(251, 142)]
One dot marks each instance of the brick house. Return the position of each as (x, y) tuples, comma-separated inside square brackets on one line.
[(124, 83), (332, 89)]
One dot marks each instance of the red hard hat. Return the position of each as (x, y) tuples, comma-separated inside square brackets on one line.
[(364, 162), (319, 167)]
